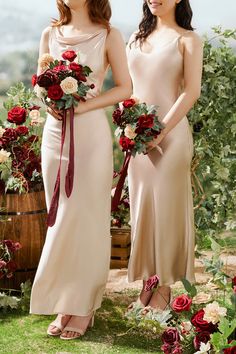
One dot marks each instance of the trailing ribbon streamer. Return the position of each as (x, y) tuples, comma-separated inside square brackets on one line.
[(52, 214), (123, 173)]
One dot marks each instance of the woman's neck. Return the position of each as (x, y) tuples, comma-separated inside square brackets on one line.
[(80, 18), (167, 21)]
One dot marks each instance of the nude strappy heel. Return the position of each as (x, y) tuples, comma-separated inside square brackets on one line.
[(80, 332)]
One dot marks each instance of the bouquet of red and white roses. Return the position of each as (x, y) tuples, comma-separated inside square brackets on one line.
[(61, 79), (138, 125), (7, 250)]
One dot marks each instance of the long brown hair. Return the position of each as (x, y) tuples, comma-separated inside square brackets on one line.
[(183, 17), (99, 12)]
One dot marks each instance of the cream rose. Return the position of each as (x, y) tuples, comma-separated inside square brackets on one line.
[(201, 298), (2, 130), (213, 312), (204, 348), (69, 85), (129, 132), (34, 114), (4, 155), (44, 61), (40, 91)]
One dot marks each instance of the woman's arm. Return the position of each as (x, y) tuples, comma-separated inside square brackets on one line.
[(193, 57), (116, 56), (44, 45)]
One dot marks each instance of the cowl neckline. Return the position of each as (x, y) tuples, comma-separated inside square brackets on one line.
[(79, 38)]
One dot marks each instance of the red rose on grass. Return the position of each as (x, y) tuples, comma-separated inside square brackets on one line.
[(22, 130), (202, 337), (234, 281), (17, 115), (126, 143), (152, 283), (75, 67), (146, 121), (117, 116), (170, 336), (129, 103), (200, 324), (34, 80), (55, 92), (47, 79), (181, 303), (69, 55)]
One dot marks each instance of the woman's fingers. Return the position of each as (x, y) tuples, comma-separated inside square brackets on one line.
[(56, 114)]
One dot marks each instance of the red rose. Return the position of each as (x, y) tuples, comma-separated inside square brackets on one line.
[(33, 139), (146, 121), (170, 336), (17, 115), (80, 77), (117, 116), (75, 67), (129, 103), (47, 79), (22, 130), (126, 143), (181, 303), (10, 134), (37, 108), (234, 281), (177, 349), (20, 153), (231, 350), (202, 337), (152, 283), (34, 80), (69, 55), (200, 324), (55, 92), (59, 68)]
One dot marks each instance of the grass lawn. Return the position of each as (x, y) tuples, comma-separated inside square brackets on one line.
[(26, 334)]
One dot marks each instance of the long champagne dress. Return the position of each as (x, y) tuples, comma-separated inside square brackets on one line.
[(160, 185), (74, 264)]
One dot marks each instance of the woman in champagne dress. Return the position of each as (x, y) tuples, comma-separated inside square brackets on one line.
[(165, 62), (74, 264)]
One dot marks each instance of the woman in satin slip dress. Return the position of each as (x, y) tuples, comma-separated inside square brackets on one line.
[(165, 63), (74, 264)]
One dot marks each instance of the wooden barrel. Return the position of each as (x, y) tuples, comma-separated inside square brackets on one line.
[(23, 219), (120, 247)]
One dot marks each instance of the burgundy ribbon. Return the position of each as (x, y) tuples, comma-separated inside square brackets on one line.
[(118, 191), (52, 214)]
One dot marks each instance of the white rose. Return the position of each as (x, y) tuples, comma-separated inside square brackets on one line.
[(69, 85), (2, 130), (204, 348), (201, 298), (213, 312), (129, 132), (44, 61), (4, 155), (186, 326), (34, 114), (40, 91)]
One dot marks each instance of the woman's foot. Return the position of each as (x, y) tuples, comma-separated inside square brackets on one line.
[(142, 300), (77, 326), (160, 298), (56, 327)]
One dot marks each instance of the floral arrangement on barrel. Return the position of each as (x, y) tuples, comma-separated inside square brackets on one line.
[(137, 125), (194, 322), (20, 141), (7, 250), (121, 216)]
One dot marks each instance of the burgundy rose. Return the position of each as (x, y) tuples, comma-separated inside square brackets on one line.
[(80, 76), (200, 324), (92, 86), (234, 281), (202, 337), (9, 134), (231, 350), (126, 143), (170, 336), (34, 80), (33, 139), (166, 348), (17, 115), (129, 103), (17, 164), (75, 67), (47, 79), (177, 349), (152, 283), (20, 153), (146, 121), (117, 116), (55, 92), (31, 167), (22, 130), (181, 303), (9, 244), (125, 202), (69, 55)]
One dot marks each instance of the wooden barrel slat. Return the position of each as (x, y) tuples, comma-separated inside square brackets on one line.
[(29, 230)]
